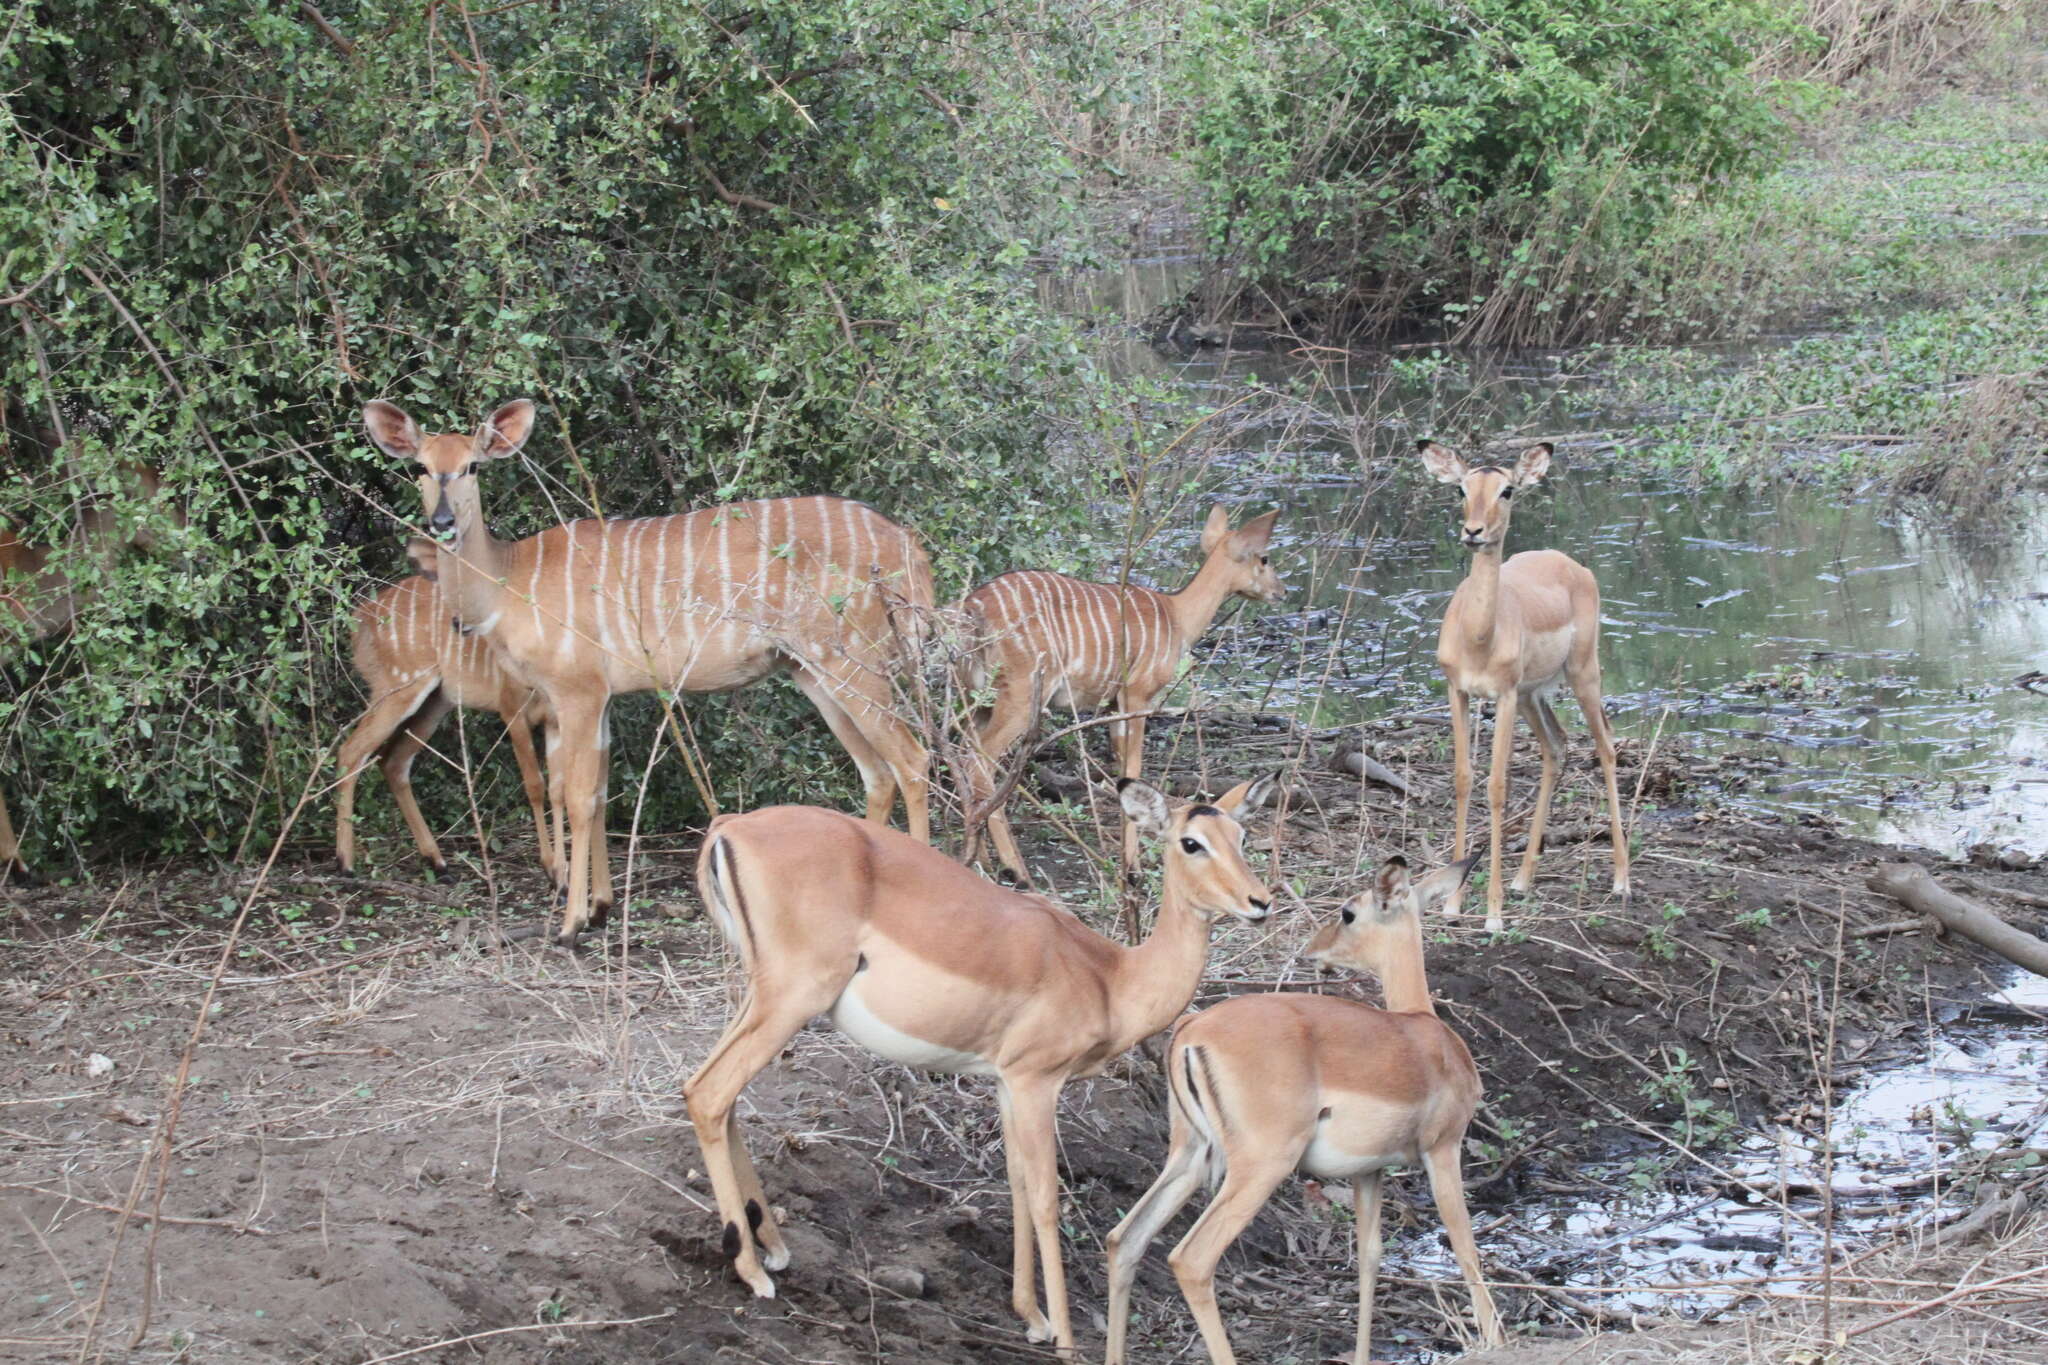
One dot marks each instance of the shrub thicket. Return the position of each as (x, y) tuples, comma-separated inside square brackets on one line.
[(1497, 165), (770, 252)]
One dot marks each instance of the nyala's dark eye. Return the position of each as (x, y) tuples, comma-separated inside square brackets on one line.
[(1349, 914), (1190, 846)]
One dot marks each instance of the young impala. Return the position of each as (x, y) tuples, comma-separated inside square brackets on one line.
[(924, 962), (420, 667), (42, 590), (703, 601), (1086, 645), (1265, 1085), (1516, 632)]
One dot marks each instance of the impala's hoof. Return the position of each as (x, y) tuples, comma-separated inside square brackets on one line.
[(775, 1258), (342, 869), (21, 874), (1037, 1330), (600, 915)]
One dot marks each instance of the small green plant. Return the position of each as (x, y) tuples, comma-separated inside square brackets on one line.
[(1754, 921), (552, 1310), (1701, 1119)]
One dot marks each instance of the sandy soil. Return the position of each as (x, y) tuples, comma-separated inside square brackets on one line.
[(391, 1137)]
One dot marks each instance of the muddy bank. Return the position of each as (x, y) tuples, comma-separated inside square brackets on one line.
[(392, 1137)]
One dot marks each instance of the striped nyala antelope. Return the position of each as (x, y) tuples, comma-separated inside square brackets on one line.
[(1084, 646), (828, 589)]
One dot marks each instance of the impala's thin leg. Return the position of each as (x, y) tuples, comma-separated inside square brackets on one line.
[(519, 731), (412, 740), (1250, 1181), (1461, 766), (1023, 1263), (760, 1215), (1365, 1203), (1497, 804), (774, 1011), (1587, 688), (1550, 739), (1185, 1162), (1447, 1184), (371, 733), (1034, 1106), (581, 720)]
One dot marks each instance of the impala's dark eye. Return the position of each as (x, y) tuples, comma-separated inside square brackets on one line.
[(1349, 914), (1507, 493), (1262, 559), (1190, 846)]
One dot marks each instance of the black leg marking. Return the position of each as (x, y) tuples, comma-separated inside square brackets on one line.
[(753, 1215), (731, 1242)]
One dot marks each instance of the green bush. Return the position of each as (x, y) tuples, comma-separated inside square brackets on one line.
[(763, 254), (1495, 164)]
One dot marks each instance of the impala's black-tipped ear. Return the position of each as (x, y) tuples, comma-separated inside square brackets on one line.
[(1441, 461), (391, 430), (1534, 464), (1146, 806), (1438, 887), (1392, 885)]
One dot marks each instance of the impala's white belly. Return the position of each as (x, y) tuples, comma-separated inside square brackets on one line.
[(1361, 1135), (851, 1016)]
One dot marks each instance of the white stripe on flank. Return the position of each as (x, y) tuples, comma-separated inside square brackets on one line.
[(540, 554), (566, 644)]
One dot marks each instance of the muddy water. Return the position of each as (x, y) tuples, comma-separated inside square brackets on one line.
[(1758, 1218), (1852, 657)]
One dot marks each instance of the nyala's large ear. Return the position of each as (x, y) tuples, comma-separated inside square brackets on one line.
[(1441, 461), (1250, 540), (1434, 889), (505, 430), (425, 557), (1215, 528), (1146, 806), (394, 433), (1533, 465), (1246, 797)]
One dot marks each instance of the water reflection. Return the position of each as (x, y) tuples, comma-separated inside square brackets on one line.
[(1865, 652)]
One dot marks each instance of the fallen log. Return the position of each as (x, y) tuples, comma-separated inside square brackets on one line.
[(1913, 888), (1358, 763)]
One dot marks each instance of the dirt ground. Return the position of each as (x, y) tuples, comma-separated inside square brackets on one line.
[(391, 1137)]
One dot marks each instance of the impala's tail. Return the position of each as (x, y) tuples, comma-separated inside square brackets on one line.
[(718, 882), (1192, 1083)]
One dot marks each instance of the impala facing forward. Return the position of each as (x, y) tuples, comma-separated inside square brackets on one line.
[(924, 962), (1516, 632)]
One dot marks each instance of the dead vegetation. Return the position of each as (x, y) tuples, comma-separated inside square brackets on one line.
[(392, 1135)]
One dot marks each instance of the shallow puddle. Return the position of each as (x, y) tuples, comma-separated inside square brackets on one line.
[(1834, 653)]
